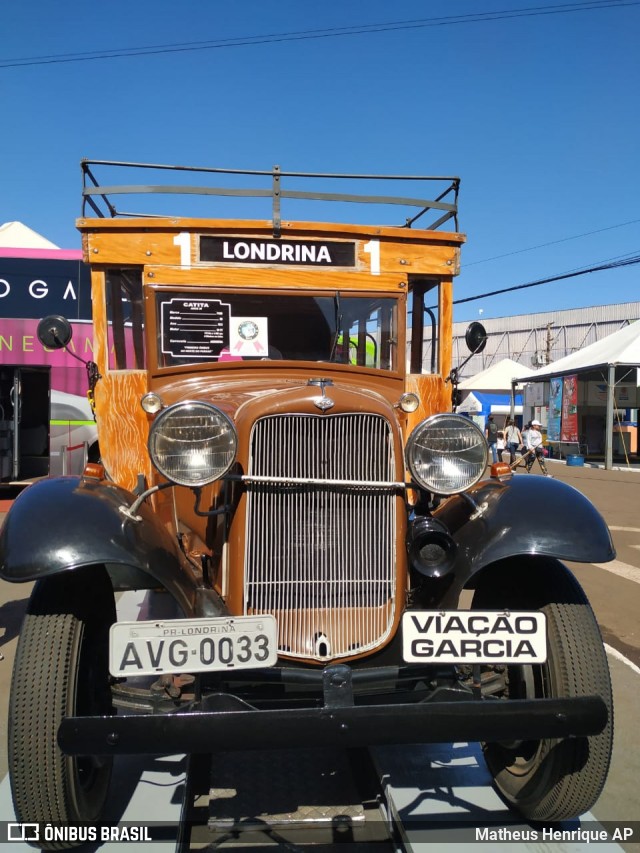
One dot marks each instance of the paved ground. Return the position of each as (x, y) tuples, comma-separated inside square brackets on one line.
[(613, 589), (614, 592)]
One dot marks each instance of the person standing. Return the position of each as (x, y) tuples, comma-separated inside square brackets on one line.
[(491, 433), (533, 443), (513, 439)]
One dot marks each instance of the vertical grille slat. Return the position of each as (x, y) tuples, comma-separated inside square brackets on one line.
[(321, 559)]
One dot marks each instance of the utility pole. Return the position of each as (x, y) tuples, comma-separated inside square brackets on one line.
[(549, 343), (608, 441)]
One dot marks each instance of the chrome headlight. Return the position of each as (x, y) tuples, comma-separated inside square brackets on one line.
[(447, 454), (192, 444), (151, 403), (409, 402)]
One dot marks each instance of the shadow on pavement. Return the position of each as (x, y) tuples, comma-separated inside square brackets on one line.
[(11, 614)]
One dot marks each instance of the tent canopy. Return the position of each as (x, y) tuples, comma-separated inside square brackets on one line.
[(488, 404), (15, 235), (620, 348), (616, 355), (497, 378)]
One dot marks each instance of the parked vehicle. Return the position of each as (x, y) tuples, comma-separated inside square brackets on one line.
[(315, 510), (74, 433), (43, 432)]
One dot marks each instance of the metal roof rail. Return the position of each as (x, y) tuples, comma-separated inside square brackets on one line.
[(97, 196)]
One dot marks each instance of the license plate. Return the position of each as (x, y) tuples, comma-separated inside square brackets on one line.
[(474, 636), (192, 645)]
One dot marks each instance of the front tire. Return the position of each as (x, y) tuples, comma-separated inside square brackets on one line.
[(552, 779), (60, 669)]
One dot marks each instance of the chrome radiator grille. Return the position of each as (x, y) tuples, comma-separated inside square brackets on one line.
[(321, 558)]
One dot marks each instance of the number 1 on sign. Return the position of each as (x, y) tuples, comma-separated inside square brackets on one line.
[(373, 248), (183, 240)]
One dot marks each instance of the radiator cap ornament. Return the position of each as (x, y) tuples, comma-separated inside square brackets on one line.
[(323, 403)]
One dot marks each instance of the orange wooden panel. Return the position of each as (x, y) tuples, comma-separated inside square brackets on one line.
[(264, 227), (445, 335), (123, 248), (99, 313), (123, 426), (272, 279), (154, 242), (434, 394), (412, 258)]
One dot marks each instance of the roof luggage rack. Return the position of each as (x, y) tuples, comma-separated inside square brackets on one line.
[(97, 196)]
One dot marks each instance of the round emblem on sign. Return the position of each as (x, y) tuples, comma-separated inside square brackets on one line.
[(248, 330)]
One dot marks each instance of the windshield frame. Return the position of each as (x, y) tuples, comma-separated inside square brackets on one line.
[(339, 300)]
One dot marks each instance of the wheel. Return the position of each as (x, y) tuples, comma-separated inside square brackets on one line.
[(551, 779), (60, 669)]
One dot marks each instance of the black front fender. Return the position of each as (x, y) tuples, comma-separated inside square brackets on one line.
[(526, 515), (66, 523)]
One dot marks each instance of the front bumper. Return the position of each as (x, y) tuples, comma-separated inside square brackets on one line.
[(224, 722)]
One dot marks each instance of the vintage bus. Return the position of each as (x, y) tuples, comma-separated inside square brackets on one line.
[(281, 459), (46, 423)]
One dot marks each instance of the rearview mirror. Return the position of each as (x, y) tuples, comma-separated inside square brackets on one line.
[(476, 337), (54, 332)]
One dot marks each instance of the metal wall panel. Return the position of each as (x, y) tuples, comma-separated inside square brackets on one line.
[(535, 340)]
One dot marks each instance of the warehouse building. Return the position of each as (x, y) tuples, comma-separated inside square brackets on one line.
[(535, 340)]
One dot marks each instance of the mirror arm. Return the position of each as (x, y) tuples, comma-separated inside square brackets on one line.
[(64, 346), (454, 376), (93, 374), (455, 371)]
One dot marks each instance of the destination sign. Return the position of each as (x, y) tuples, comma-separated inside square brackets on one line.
[(307, 253), (194, 328)]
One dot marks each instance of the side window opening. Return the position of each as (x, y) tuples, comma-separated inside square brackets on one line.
[(126, 319), (424, 324), (370, 337)]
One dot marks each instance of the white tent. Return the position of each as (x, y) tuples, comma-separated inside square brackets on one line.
[(469, 405), (495, 403), (496, 379), (614, 356), (15, 235)]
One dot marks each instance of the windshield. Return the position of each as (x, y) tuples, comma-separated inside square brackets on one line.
[(207, 326)]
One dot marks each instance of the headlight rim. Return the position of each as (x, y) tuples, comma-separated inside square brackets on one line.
[(165, 414), (417, 432)]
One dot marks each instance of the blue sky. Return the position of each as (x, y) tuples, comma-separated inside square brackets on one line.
[(537, 114)]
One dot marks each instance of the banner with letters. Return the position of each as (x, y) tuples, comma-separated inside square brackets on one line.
[(555, 409), (569, 430)]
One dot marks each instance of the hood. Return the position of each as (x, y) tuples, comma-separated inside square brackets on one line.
[(256, 397)]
